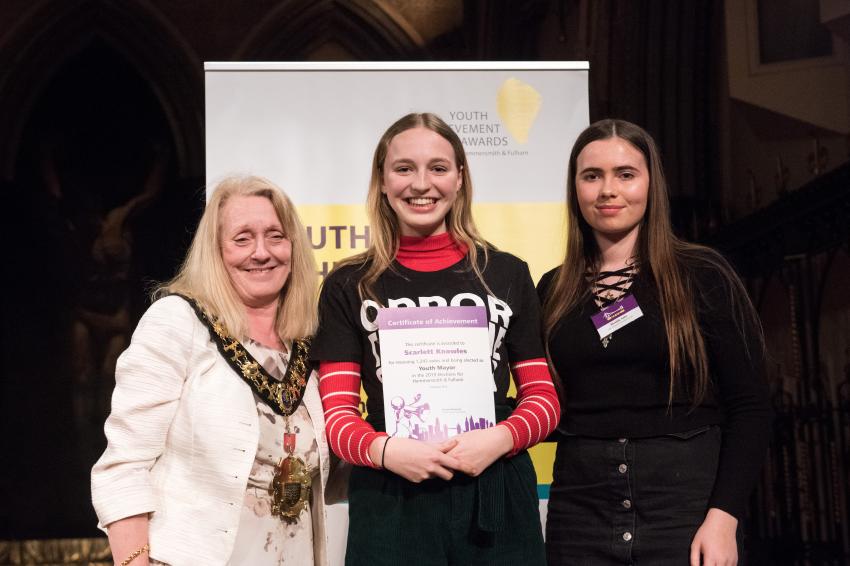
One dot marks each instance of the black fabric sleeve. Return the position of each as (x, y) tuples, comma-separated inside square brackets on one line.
[(736, 364), (524, 338), (338, 337)]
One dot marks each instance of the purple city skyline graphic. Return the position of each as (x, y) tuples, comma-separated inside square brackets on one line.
[(437, 432)]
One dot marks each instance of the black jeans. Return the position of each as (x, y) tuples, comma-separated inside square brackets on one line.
[(630, 501)]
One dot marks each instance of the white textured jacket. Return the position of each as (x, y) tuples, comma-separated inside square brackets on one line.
[(182, 438)]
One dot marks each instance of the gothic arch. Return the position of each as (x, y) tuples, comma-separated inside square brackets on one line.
[(368, 29), (137, 31)]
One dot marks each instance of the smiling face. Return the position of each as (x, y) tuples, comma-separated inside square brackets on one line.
[(421, 180), (254, 249), (612, 188)]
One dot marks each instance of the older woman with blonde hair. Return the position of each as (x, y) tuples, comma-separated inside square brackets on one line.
[(216, 450)]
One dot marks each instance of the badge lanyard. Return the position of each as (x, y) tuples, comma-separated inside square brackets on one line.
[(617, 307)]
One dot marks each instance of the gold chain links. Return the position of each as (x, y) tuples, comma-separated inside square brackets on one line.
[(136, 554)]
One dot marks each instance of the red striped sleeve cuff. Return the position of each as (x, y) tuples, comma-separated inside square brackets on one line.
[(538, 409), (348, 434)]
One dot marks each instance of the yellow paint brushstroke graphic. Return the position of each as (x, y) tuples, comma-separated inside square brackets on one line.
[(518, 104)]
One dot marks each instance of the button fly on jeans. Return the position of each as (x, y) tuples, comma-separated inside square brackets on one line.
[(622, 468), (627, 536), (627, 503)]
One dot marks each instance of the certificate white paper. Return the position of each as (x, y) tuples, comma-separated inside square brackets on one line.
[(435, 363)]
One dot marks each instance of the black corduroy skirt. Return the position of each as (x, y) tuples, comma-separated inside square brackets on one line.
[(489, 520)]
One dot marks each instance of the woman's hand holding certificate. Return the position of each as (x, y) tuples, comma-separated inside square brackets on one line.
[(415, 460), (477, 449)]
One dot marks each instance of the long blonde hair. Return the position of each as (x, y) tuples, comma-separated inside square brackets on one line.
[(668, 259), (203, 275), (385, 230)]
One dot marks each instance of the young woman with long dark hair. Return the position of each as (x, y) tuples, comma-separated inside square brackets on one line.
[(659, 354)]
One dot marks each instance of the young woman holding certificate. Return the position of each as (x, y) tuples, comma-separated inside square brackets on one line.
[(659, 351), (471, 499)]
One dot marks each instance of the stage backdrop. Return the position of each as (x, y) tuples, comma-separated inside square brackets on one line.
[(312, 128)]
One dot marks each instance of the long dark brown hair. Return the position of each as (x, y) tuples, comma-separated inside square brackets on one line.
[(668, 260)]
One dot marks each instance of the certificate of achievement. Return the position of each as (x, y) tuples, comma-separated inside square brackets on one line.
[(435, 364)]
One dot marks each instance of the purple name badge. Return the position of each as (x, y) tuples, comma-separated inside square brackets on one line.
[(616, 315)]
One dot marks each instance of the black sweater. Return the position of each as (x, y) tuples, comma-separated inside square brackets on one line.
[(622, 390)]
